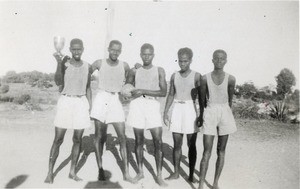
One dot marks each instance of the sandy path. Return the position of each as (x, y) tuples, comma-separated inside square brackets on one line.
[(260, 155)]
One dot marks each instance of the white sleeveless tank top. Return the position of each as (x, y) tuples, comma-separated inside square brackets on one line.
[(111, 78), (184, 86), (75, 79), (218, 94), (147, 78)]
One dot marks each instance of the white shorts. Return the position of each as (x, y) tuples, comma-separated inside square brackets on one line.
[(144, 113), (72, 113), (183, 118), (107, 108), (218, 120)]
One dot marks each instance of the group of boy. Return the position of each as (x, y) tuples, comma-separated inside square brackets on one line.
[(75, 108)]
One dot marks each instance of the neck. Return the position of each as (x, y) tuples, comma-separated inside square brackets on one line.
[(112, 61), (185, 71), (76, 61), (218, 71), (148, 66)]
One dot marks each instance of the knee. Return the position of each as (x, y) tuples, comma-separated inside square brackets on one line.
[(191, 145), (206, 155), (177, 146), (221, 153), (76, 140), (158, 143), (58, 141)]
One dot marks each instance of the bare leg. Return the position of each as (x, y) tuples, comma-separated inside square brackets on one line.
[(177, 152), (157, 140), (139, 152), (208, 144), (120, 130), (77, 138), (58, 140), (222, 141), (191, 140), (100, 139)]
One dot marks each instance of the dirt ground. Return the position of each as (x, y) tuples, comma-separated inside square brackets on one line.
[(261, 155)]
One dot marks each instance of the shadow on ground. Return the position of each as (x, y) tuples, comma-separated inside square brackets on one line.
[(104, 184), (16, 181)]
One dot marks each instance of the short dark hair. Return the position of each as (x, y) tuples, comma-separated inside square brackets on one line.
[(219, 51), (76, 41), (147, 46), (112, 42), (186, 51)]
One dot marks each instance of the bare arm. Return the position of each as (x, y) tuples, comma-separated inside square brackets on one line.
[(127, 69), (131, 76), (60, 69), (170, 99), (202, 92), (231, 85), (95, 66), (88, 87), (162, 85)]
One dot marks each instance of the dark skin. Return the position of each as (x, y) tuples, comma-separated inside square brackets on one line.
[(76, 50), (184, 64), (147, 56), (218, 75), (101, 128)]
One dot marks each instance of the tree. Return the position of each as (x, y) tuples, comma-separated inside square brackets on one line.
[(285, 80)]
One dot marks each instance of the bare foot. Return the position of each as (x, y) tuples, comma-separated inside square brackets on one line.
[(201, 185), (191, 179), (101, 175), (127, 178), (74, 177), (138, 177), (161, 182), (49, 179), (173, 176)]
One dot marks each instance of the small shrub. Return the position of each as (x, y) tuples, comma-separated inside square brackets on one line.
[(4, 89), (22, 99), (33, 106), (279, 111), (6, 99)]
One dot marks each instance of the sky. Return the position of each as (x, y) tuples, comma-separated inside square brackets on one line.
[(260, 38)]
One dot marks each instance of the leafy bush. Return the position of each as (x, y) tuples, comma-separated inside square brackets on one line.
[(4, 89), (6, 99), (247, 109), (279, 111), (22, 99)]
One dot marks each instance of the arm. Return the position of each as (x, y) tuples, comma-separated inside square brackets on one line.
[(202, 92), (162, 85), (231, 85), (131, 76), (88, 87), (60, 69), (170, 100), (127, 69), (95, 66)]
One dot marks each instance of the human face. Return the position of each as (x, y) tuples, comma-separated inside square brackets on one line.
[(184, 62), (147, 56), (114, 51), (76, 50), (219, 60)]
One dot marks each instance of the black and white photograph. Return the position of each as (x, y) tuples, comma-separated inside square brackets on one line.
[(149, 94)]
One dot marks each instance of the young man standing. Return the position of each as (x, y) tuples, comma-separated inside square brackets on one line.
[(218, 87), (73, 105), (107, 108), (144, 110), (184, 114)]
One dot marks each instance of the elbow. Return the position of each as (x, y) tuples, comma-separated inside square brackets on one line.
[(163, 93)]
